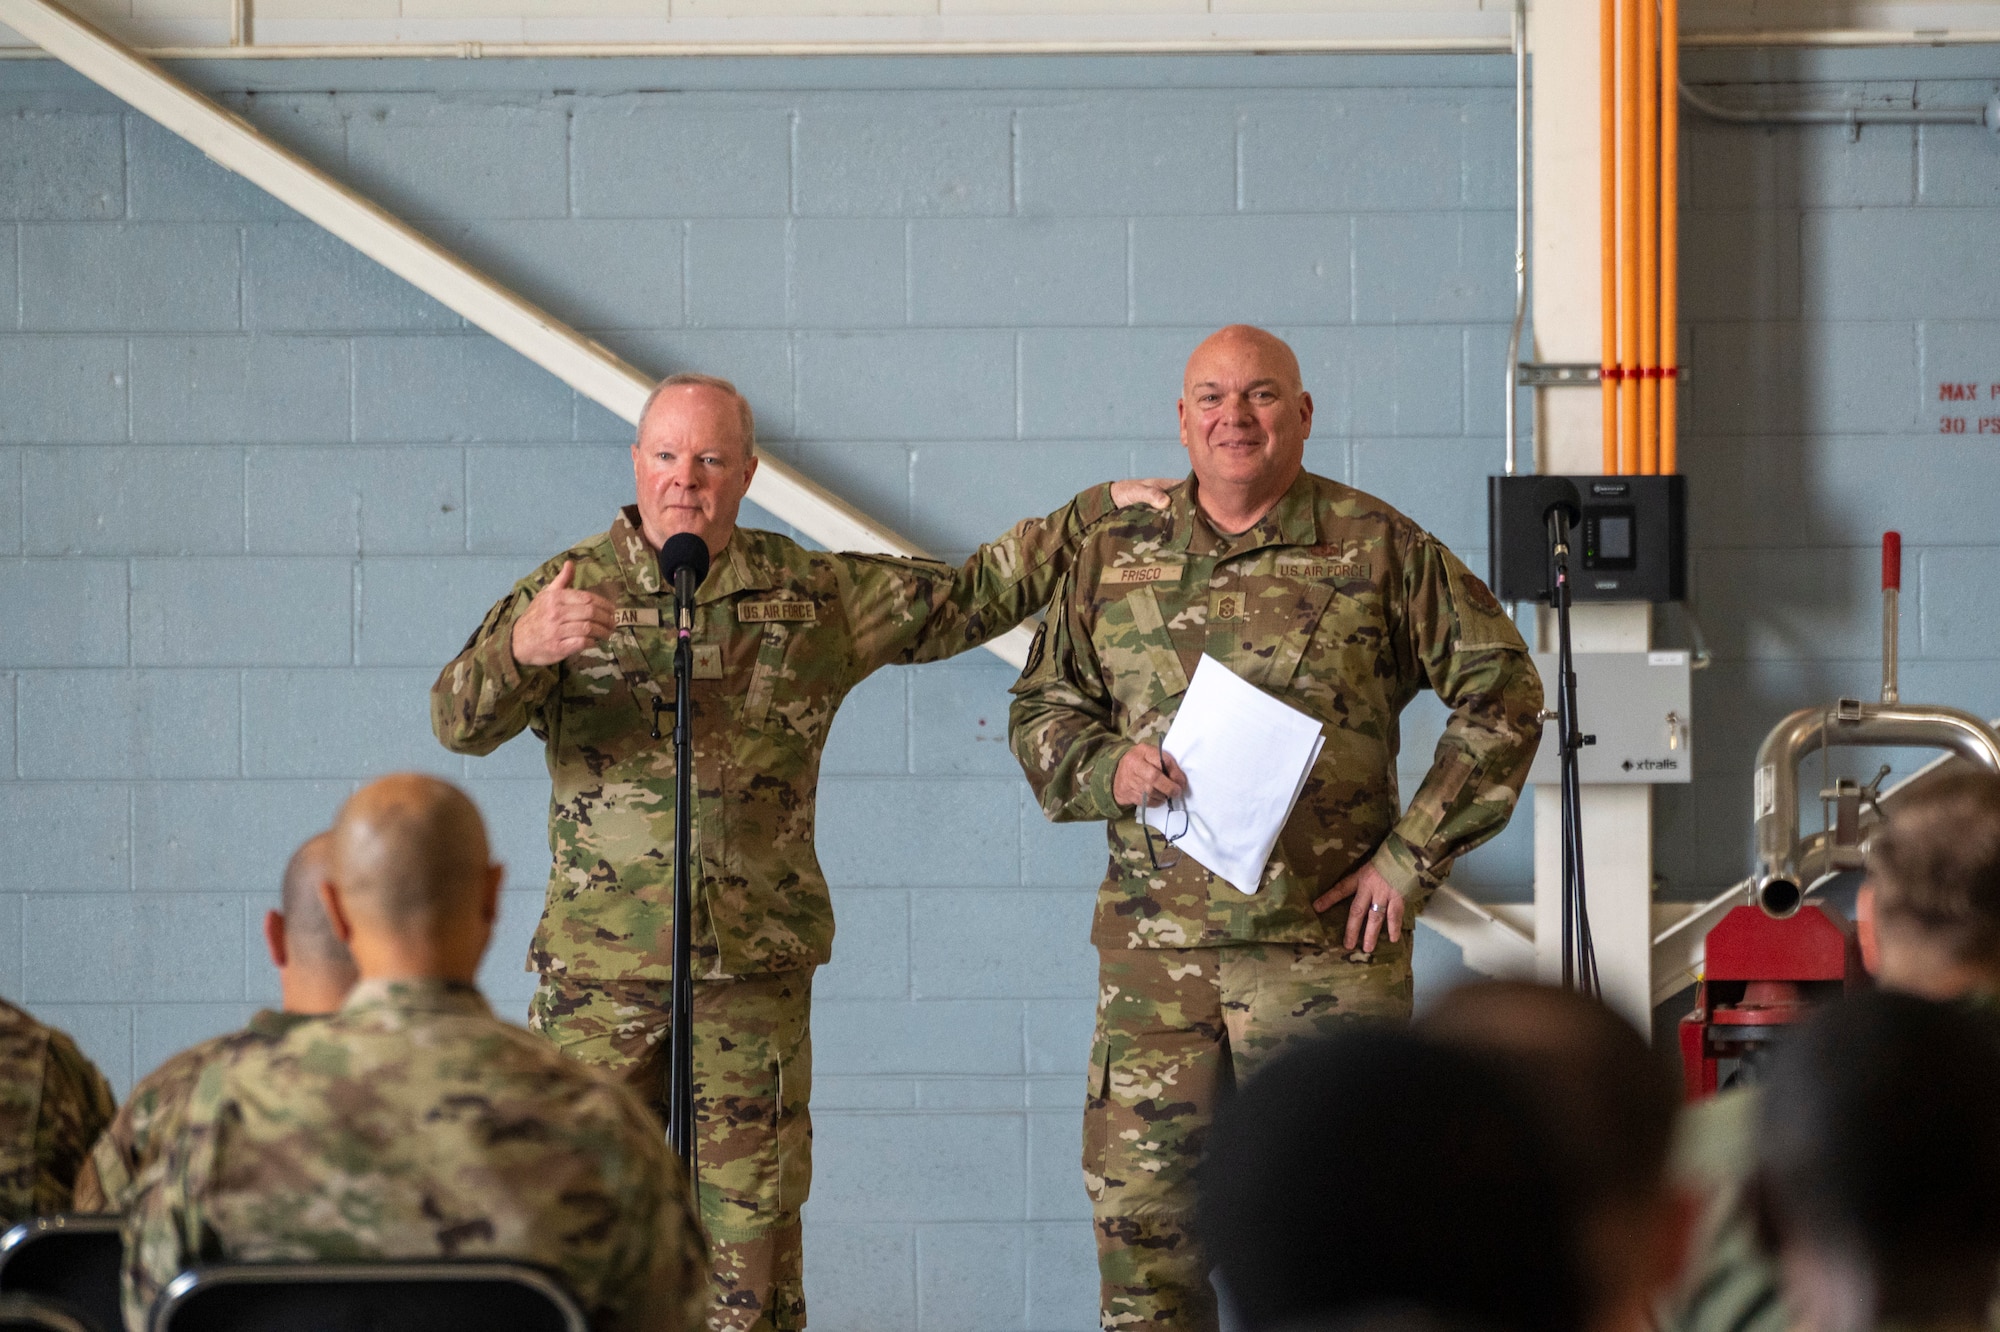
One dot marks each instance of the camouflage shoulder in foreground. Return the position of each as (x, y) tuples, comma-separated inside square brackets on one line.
[(781, 634), (1336, 604), (415, 1124), (151, 1114), (53, 1104)]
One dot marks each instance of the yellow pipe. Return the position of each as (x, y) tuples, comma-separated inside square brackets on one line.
[(1628, 236), (1607, 138), (1649, 238), (1670, 232)]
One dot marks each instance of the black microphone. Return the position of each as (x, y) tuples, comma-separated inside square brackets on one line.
[(683, 564)]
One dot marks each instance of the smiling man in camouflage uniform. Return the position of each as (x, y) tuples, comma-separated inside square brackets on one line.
[(581, 652), (1332, 601)]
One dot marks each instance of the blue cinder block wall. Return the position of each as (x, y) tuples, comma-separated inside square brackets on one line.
[(254, 491)]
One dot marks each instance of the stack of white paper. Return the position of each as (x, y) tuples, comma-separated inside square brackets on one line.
[(1247, 757)]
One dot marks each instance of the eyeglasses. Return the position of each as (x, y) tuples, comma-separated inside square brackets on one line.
[(1167, 834)]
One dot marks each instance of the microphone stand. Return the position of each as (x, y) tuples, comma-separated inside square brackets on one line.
[(680, 1039), (1579, 955)]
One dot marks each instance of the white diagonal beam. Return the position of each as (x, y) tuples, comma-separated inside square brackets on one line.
[(232, 142)]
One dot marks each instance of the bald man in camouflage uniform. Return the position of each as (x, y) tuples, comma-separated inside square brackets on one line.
[(314, 976), (414, 1124), (581, 652), (1343, 608), (53, 1104)]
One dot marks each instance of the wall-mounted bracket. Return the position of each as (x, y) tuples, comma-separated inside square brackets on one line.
[(1530, 375)]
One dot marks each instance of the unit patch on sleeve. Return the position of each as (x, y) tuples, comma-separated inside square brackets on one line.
[(768, 612)]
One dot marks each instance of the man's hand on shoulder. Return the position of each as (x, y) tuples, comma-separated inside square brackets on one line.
[(560, 622), (1148, 490)]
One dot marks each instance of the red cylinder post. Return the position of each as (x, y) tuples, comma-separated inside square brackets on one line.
[(1892, 561)]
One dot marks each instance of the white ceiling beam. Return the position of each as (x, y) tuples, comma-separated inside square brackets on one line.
[(585, 366)]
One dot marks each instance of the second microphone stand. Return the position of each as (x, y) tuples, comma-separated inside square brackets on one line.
[(1579, 955)]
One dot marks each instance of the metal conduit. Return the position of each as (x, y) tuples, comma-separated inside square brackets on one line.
[(1853, 116)]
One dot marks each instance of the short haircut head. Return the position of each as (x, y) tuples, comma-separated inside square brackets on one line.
[(409, 852), (309, 935), (1425, 1151), (689, 379), (1240, 341), (1608, 1098), (1935, 863), (1878, 1140)]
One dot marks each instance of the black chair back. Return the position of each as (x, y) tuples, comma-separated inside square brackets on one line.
[(71, 1261), (367, 1297), (25, 1313)]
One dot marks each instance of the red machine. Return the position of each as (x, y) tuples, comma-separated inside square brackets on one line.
[(1762, 974)]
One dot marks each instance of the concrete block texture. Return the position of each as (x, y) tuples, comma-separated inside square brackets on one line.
[(847, 272), (586, 272), (902, 154), (130, 277), (63, 390), (1234, 270), (971, 1278), (918, 1167), (65, 837), (1015, 272), (227, 390), (423, 157), (128, 724), (167, 179), (1895, 263), (736, 274), (78, 608), (144, 948), (60, 164), (350, 724), (409, 390), (1372, 148), (222, 612), (298, 277), (1126, 155), (350, 500), (133, 501), (860, 1277), (955, 384), (649, 157)]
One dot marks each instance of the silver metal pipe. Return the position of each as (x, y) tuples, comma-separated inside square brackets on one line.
[(239, 22), (1851, 116), (1891, 692), (1520, 227), (1787, 866)]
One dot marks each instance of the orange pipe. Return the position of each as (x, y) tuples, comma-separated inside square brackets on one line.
[(1670, 231), (1607, 137), (1649, 238), (1628, 236)]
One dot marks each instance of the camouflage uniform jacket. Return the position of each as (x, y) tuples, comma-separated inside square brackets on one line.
[(53, 1104), (781, 635), (415, 1124), (1336, 604), (149, 1118)]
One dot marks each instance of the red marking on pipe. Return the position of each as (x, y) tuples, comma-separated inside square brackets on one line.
[(1892, 560)]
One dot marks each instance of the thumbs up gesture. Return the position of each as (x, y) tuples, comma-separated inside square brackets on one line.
[(560, 622)]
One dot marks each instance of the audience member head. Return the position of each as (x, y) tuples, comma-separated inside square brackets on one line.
[(315, 970), (412, 893), (1878, 1164), (1608, 1104), (1377, 1169), (1933, 888)]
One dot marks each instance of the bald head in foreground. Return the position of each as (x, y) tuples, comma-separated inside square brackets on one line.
[(413, 1123), (315, 972)]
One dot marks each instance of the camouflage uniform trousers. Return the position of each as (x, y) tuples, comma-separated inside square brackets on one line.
[(753, 1132), (1176, 1027)]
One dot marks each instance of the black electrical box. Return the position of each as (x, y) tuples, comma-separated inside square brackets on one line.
[(1629, 544)]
